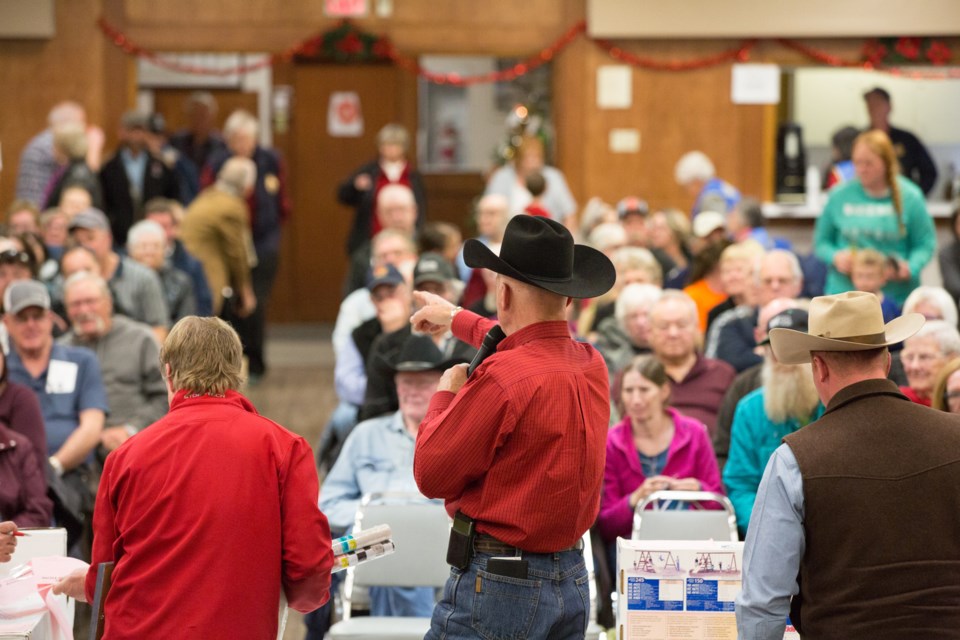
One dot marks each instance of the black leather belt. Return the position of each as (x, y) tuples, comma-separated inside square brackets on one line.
[(485, 543)]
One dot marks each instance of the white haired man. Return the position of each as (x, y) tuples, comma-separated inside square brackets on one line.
[(698, 382), (731, 337), (396, 210), (785, 402), (269, 207), (695, 172)]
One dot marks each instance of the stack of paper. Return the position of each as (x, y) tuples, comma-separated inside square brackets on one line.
[(362, 546)]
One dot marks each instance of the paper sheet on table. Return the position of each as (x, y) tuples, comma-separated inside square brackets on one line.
[(27, 594)]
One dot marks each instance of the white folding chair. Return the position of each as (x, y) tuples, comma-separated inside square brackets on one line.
[(593, 629), (421, 530), (663, 522)]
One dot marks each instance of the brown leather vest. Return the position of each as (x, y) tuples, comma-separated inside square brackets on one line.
[(881, 485)]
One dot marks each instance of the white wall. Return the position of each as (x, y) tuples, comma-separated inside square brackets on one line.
[(828, 99), (770, 18), (472, 109)]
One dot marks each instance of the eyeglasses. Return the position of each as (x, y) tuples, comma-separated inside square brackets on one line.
[(681, 325), (15, 256), (919, 358)]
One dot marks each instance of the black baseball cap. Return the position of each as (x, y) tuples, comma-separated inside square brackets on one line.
[(795, 319)]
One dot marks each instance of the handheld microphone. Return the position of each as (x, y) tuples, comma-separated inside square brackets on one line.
[(487, 347)]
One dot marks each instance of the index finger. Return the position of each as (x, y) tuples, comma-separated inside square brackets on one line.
[(423, 297)]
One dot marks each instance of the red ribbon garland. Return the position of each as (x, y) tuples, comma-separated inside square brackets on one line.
[(821, 56), (514, 72), (873, 52), (740, 53)]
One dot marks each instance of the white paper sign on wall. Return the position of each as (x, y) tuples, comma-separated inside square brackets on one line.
[(344, 117), (614, 86), (755, 84)]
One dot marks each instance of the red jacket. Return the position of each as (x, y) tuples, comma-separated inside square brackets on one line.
[(23, 488), (206, 513)]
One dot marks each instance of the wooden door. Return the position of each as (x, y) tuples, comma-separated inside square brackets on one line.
[(171, 102), (313, 260)]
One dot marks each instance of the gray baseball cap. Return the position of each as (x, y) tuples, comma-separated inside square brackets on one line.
[(23, 294), (90, 219)]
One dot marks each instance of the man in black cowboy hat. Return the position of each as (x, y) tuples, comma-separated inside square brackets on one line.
[(517, 449), (856, 517)]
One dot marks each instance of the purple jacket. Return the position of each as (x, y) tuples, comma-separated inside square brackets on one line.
[(23, 487), (690, 456)]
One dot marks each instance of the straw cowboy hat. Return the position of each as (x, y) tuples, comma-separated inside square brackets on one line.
[(541, 252), (850, 321)]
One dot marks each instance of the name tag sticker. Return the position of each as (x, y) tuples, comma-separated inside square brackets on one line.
[(61, 376)]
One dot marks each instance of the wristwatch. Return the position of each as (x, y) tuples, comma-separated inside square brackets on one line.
[(56, 465), (454, 312)]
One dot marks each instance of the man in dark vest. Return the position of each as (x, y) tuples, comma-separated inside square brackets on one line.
[(858, 514)]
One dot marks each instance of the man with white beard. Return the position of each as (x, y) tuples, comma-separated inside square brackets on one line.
[(786, 401)]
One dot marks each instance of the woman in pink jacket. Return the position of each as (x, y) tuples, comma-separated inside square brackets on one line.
[(653, 448)]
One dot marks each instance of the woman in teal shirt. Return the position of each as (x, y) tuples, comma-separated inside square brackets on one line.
[(880, 210)]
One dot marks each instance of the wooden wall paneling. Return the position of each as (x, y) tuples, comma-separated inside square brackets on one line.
[(501, 27), (37, 74), (674, 112), (570, 99), (450, 198)]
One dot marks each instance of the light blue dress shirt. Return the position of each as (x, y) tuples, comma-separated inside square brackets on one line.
[(771, 555), (377, 457), (135, 168)]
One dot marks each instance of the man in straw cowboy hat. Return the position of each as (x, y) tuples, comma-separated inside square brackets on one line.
[(517, 449), (858, 514)]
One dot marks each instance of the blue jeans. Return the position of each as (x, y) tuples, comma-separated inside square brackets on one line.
[(552, 603), (415, 602)]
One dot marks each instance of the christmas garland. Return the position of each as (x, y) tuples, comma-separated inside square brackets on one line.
[(347, 43)]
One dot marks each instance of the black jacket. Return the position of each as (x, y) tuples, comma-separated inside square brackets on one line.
[(118, 203), (363, 202)]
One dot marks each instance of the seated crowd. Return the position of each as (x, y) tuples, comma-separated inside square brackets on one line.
[(91, 284), (699, 400)]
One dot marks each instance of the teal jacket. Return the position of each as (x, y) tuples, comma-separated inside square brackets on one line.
[(753, 439)]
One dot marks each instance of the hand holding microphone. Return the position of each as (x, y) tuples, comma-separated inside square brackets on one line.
[(456, 376)]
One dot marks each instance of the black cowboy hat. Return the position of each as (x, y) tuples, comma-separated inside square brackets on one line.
[(420, 353), (541, 252)]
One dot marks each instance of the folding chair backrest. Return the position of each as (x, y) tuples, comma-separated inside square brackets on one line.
[(421, 531), (684, 523)]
